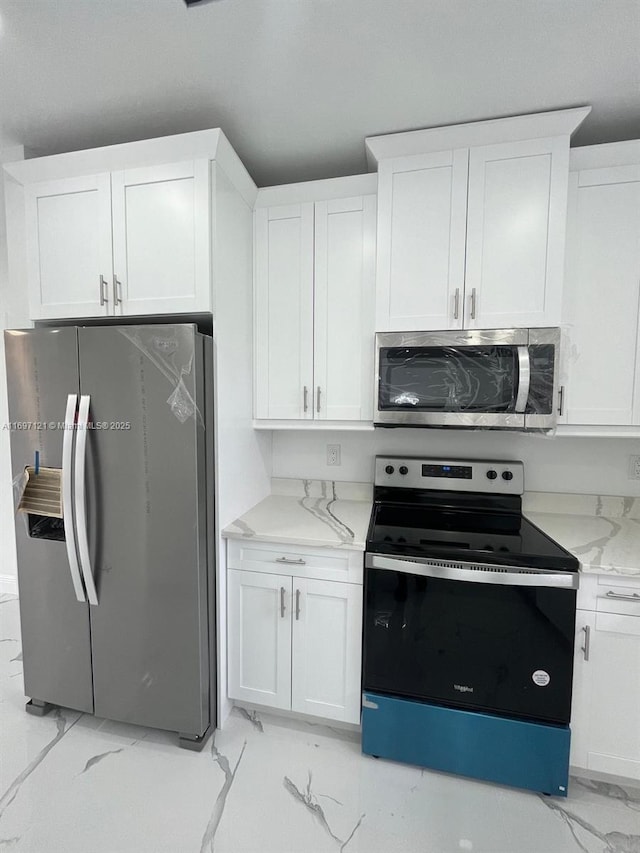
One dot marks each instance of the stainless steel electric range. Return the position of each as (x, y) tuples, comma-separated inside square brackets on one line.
[(469, 623)]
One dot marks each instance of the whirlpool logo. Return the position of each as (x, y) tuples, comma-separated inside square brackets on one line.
[(462, 688)]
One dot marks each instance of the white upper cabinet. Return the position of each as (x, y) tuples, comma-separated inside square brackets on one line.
[(120, 243), (601, 308), (284, 311), (128, 229), (421, 241), (471, 223), (70, 266), (343, 308), (161, 238), (515, 233), (314, 302)]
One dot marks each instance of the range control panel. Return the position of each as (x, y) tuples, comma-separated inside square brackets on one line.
[(456, 475)]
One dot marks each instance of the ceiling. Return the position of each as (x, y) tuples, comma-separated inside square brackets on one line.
[(297, 85)]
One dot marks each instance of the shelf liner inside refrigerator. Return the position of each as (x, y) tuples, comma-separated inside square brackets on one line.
[(41, 492)]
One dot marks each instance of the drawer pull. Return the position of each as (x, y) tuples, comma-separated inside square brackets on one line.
[(587, 641), (297, 562), (634, 596)]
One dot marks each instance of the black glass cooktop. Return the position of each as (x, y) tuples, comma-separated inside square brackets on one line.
[(478, 531)]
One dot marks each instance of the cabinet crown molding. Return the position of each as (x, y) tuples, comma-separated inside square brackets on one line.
[(211, 144), (512, 129)]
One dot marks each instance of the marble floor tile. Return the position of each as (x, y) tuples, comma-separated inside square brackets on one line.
[(72, 783)]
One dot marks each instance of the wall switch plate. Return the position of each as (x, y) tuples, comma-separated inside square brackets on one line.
[(634, 467), (333, 454)]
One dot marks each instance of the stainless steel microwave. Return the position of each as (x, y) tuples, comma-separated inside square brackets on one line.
[(492, 379)]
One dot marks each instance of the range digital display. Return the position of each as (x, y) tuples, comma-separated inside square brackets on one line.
[(452, 472)]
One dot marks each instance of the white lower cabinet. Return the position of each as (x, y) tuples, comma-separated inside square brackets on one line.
[(295, 643), (259, 638), (605, 722), (327, 630)]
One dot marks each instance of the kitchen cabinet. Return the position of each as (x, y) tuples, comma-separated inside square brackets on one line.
[(471, 235), (145, 227), (601, 304), (314, 296), (605, 725), (294, 640), (259, 638), (123, 243), (69, 246)]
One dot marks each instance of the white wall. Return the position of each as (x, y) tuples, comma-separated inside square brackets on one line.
[(8, 318), (552, 464)]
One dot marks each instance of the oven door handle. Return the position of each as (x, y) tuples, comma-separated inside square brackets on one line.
[(500, 576), (524, 379)]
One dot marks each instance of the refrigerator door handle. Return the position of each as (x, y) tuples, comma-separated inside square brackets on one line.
[(79, 496), (67, 495)]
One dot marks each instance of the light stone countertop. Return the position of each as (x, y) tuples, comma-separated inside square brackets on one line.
[(318, 513), (603, 532)]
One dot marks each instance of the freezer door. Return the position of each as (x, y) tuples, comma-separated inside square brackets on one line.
[(42, 371), (146, 524)]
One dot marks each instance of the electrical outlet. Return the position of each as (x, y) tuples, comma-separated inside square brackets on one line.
[(634, 467), (333, 454)]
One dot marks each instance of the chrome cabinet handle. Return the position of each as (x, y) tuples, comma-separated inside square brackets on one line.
[(297, 604), (117, 291), (305, 397), (622, 596), (297, 562), (456, 304), (80, 499), (472, 300), (587, 641), (560, 399), (318, 400), (282, 607), (104, 299), (67, 495)]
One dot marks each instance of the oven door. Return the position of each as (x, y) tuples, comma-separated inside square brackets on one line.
[(481, 638)]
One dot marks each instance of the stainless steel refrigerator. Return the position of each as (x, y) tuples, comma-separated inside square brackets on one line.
[(116, 595)]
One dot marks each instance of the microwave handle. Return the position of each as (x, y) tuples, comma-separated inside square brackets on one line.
[(524, 379)]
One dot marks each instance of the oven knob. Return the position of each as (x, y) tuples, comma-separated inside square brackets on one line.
[(491, 475), (389, 469), (403, 469), (507, 475)]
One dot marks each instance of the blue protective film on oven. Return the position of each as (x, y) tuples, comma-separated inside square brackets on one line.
[(483, 746)]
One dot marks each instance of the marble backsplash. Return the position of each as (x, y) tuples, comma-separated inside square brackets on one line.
[(605, 506), (326, 489)]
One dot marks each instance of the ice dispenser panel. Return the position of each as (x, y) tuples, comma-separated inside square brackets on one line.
[(41, 502)]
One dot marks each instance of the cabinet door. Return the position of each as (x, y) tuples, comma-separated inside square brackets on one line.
[(422, 202), (284, 312), (327, 642), (345, 239), (585, 627), (161, 229), (68, 225), (613, 744), (601, 308), (515, 233), (259, 638)]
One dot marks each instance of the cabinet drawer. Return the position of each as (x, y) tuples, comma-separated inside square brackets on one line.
[(618, 595), (275, 558)]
